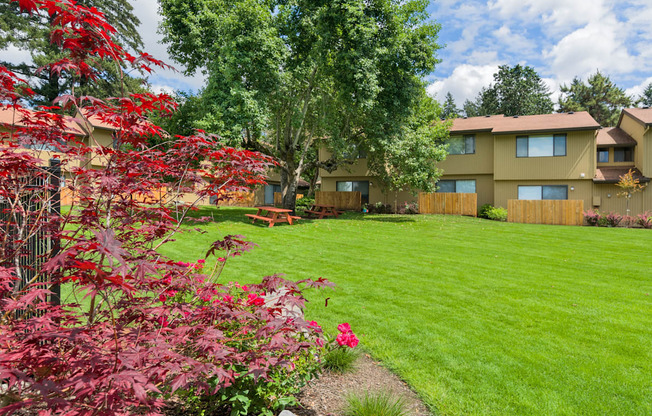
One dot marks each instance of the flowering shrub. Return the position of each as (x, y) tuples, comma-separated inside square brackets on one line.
[(149, 328), (613, 219), (592, 217), (645, 219)]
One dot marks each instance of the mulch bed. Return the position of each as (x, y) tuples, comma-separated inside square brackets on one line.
[(326, 396)]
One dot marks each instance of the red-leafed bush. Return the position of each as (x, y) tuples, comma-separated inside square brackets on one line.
[(149, 328)]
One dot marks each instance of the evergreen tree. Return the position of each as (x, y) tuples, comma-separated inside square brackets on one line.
[(646, 98), (450, 109), (517, 90), (600, 97), (31, 33)]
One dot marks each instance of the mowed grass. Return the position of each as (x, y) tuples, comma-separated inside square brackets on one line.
[(479, 317)]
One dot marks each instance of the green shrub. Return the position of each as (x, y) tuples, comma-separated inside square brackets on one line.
[(497, 214), (484, 210), (375, 404), (340, 360), (304, 203)]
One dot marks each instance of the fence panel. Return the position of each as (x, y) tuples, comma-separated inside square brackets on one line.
[(347, 201), (448, 203), (30, 245), (553, 212)]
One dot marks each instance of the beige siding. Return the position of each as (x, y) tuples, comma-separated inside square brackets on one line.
[(481, 162), (484, 186), (580, 159), (642, 156), (611, 202), (359, 168), (329, 184), (506, 190)]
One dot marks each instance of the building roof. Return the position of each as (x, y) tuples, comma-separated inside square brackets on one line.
[(643, 115), (613, 174), (9, 117), (614, 136), (581, 120)]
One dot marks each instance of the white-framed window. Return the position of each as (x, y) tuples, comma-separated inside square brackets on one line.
[(543, 192), (460, 186), (541, 145), (461, 145)]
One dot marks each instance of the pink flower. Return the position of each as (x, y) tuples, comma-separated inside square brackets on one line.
[(201, 261), (319, 342), (245, 288), (228, 298), (221, 259), (314, 324), (162, 298), (254, 299), (344, 328), (347, 338)]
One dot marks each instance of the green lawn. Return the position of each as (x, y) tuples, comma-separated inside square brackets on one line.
[(479, 317)]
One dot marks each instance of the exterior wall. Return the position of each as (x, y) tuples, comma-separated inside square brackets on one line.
[(484, 186), (506, 190), (481, 162), (611, 202), (580, 158), (643, 151), (359, 168), (375, 192)]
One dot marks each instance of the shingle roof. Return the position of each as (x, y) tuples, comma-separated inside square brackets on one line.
[(527, 124), (614, 136), (613, 174), (10, 117), (644, 115)]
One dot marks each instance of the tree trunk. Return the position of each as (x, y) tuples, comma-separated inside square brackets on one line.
[(289, 182), (313, 183)]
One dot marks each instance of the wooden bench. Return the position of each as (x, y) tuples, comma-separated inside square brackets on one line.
[(321, 211), (273, 216)]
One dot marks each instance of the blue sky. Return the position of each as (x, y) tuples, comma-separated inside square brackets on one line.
[(560, 39)]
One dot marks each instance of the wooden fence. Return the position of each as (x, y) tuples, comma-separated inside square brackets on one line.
[(448, 203), (348, 201), (558, 212)]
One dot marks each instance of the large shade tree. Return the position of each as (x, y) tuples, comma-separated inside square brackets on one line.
[(516, 90), (31, 34), (599, 96), (286, 76)]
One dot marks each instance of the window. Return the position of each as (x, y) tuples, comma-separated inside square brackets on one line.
[(541, 146), (624, 154), (603, 155), (543, 192), (355, 186), (355, 153), (461, 145), (457, 186), (269, 193)]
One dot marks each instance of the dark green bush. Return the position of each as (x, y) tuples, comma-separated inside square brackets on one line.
[(483, 211)]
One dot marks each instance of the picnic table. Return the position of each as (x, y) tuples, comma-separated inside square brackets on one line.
[(273, 215), (321, 211)]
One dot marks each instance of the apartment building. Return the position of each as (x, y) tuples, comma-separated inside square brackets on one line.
[(548, 156)]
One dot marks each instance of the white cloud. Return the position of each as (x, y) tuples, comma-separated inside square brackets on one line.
[(637, 90), (16, 56), (464, 83), (147, 12), (558, 13), (596, 46)]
